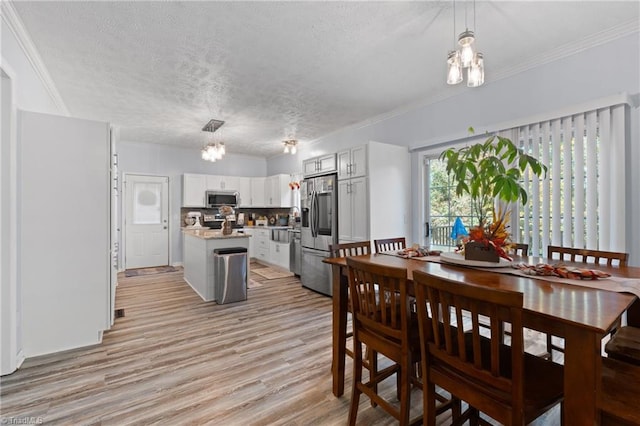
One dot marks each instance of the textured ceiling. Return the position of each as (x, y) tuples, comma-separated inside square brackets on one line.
[(276, 70)]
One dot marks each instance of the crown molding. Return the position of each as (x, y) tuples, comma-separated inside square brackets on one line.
[(15, 25)]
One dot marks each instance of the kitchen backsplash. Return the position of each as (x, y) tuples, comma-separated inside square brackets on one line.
[(269, 213)]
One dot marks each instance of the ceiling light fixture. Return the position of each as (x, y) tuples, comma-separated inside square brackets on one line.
[(214, 150), (290, 146), (466, 57)]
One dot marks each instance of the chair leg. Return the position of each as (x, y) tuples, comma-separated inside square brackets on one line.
[(405, 392), (357, 380), (429, 402), (373, 371)]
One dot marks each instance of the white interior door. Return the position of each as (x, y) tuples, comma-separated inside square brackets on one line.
[(146, 221)]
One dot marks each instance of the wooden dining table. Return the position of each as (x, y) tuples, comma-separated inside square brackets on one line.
[(580, 315)]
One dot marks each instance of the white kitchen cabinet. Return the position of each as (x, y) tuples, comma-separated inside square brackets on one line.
[(279, 254), (377, 205), (319, 165), (353, 210), (222, 183), (258, 192), (277, 191), (352, 162), (262, 244), (193, 190), (244, 189), (251, 250)]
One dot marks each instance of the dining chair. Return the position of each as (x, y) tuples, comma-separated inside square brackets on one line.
[(503, 382), (521, 249), (618, 403), (346, 250), (586, 256), (389, 244), (382, 321)]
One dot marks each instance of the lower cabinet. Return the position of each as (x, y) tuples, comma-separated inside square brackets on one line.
[(261, 244), (279, 254)]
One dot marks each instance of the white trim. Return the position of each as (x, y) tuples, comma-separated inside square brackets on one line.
[(17, 28), (607, 101), (16, 355)]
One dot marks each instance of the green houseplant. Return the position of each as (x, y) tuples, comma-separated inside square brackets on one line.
[(490, 172)]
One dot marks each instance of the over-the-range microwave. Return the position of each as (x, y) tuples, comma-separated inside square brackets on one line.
[(217, 199)]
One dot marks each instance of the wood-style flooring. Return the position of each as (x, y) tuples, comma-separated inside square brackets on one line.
[(174, 359)]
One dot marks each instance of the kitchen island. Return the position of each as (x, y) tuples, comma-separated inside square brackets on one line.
[(198, 247)]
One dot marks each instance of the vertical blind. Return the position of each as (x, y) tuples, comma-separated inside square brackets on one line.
[(580, 202)]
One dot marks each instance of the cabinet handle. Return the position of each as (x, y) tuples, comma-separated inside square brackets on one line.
[(352, 169)]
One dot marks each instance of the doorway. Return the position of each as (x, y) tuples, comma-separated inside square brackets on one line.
[(146, 221)]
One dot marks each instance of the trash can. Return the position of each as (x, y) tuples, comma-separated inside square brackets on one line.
[(230, 274)]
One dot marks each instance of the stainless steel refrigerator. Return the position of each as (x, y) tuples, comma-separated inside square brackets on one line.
[(319, 230)]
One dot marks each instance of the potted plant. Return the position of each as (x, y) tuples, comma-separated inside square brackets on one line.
[(490, 173)]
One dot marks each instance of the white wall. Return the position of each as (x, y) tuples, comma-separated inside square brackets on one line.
[(172, 161), (585, 76), (22, 88)]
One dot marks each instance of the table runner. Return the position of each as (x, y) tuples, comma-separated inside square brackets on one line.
[(617, 284)]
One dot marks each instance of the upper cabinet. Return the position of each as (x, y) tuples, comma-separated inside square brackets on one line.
[(272, 191), (319, 165), (244, 189), (193, 190), (352, 162), (258, 192), (277, 191), (222, 183)]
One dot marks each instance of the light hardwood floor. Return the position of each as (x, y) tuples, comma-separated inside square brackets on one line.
[(174, 359)]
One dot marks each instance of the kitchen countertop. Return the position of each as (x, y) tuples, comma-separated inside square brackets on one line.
[(207, 234), (268, 227)]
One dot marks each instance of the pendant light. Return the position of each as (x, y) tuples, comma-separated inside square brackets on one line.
[(465, 57), (213, 150), (290, 146)]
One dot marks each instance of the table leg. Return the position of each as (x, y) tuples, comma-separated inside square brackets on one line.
[(340, 296), (582, 377)]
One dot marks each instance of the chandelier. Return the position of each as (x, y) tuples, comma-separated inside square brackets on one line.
[(214, 150), (290, 146), (466, 57)]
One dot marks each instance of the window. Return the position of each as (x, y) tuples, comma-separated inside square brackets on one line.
[(579, 203)]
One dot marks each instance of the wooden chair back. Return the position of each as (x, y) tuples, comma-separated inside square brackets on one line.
[(458, 359), (389, 244), (521, 249), (350, 249), (381, 318), (586, 255), (619, 401)]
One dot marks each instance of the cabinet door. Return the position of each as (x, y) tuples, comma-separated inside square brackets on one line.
[(359, 209), (258, 192), (193, 190), (358, 161), (344, 211), (280, 191), (231, 183), (279, 254), (271, 191), (214, 182), (244, 189), (344, 159), (251, 250), (310, 166), (327, 163)]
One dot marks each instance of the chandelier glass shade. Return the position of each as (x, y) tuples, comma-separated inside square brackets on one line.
[(214, 150), (465, 57), (290, 146)]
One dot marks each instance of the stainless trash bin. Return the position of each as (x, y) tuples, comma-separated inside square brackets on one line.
[(230, 274)]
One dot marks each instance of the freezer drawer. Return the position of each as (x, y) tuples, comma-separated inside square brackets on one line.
[(314, 274), (230, 271)]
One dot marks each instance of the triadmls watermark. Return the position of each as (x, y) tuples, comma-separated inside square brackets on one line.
[(25, 420)]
